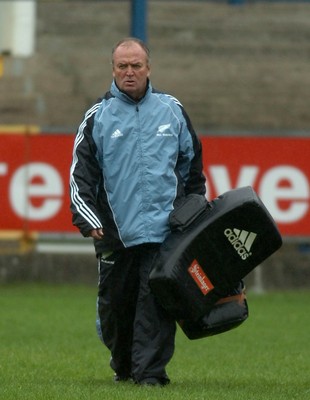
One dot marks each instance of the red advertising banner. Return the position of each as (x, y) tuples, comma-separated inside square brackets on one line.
[(277, 168), (34, 178), (34, 182)]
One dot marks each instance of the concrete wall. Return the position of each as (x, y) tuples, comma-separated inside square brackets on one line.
[(287, 269), (234, 68)]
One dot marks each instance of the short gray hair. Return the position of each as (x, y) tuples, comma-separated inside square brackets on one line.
[(133, 40)]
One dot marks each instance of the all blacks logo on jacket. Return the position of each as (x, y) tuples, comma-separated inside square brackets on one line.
[(241, 241)]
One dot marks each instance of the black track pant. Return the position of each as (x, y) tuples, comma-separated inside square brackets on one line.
[(134, 327)]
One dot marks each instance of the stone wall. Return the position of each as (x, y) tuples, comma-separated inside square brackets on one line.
[(234, 68)]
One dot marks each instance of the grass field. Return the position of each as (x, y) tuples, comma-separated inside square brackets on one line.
[(49, 350)]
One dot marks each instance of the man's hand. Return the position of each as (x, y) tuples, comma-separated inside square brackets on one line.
[(96, 233)]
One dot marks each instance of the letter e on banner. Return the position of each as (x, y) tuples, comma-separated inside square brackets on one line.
[(36, 191), (285, 192), (277, 168)]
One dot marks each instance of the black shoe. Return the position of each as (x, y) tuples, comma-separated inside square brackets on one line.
[(154, 381), (121, 378)]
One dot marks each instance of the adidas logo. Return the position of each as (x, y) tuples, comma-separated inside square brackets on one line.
[(241, 241), (116, 134)]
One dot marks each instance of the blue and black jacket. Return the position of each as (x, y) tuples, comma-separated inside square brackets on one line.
[(131, 162)]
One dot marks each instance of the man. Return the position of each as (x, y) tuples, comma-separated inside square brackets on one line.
[(135, 155)]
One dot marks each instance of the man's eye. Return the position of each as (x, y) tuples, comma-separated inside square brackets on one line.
[(133, 66)]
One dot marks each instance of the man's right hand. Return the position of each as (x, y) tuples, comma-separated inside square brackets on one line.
[(96, 233)]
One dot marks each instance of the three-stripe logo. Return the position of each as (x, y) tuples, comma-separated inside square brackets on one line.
[(241, 240)]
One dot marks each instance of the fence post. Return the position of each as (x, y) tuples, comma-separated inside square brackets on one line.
[(236, 2), (139, 19)]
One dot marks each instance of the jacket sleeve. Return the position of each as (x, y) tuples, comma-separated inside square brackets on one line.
[(85, 177), (190, 158)]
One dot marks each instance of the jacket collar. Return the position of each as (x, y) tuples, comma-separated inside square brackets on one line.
[(124, 97)]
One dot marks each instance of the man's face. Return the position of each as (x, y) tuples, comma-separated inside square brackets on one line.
[(131, 69)]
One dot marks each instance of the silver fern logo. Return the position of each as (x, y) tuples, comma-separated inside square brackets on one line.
[(163, 130), (241, 241)]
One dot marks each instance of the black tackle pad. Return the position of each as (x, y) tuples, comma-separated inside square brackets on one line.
[(197, 267), (227, 313)]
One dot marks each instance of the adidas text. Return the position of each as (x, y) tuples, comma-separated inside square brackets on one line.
[(241, 241)]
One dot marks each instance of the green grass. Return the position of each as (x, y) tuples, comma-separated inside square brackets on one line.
[(49, 350)]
